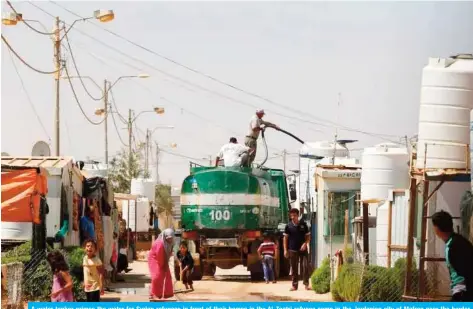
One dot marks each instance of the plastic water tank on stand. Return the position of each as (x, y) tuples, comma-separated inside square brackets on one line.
[(384, 167), (143, 187), (323, 149), (444, 117)]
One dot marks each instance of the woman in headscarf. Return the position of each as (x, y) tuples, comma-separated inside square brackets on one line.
[(158, 262)]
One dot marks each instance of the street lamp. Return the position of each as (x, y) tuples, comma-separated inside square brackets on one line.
[(12, 18), (149, 133), (106, 89), (131, 120)]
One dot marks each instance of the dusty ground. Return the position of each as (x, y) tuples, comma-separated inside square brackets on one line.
[(228, 285)]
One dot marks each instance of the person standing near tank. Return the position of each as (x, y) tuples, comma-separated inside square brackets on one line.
[(252, 137), (458, 257), (296, 242)]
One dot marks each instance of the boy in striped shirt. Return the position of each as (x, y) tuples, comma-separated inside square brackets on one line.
[(267, 252)]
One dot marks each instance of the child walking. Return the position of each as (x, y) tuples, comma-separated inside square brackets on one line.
[(187, 265), (62, 281), (93, 272), (267, 253)]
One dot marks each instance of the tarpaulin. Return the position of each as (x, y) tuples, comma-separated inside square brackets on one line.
[(21, 195)]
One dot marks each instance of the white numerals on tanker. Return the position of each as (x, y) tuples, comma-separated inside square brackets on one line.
[(218, 215)]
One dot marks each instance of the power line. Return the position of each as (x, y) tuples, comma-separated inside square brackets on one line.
[(28, 96), (304, 113), (117, 130), (78, 103), (26, 63), (78, 73), (206, 120), (181, 155)]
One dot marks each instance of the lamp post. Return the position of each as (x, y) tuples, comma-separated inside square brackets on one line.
[(149, 134), (11, 19), (131, 120), (107, 86)]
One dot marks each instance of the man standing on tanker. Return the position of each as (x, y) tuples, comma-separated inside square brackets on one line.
[(255, 127)]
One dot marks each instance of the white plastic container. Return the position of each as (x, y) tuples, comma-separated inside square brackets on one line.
[(444, 117), (143, 188), (142, 215), (384, 167), (323, 149)]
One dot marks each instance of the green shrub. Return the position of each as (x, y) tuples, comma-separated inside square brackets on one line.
[(346, 287), (321, 278), (381, 284)]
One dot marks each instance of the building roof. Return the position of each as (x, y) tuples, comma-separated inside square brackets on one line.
[(44, 162), (124, 196)]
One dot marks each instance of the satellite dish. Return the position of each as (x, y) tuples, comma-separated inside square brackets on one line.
[(41, 149), (5, 154)]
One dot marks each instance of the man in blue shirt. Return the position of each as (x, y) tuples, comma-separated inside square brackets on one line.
[(458, 256)]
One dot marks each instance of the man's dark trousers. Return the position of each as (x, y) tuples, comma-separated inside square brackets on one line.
[(299, 258)]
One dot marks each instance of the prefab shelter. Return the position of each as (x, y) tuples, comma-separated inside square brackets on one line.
[(63, 180)]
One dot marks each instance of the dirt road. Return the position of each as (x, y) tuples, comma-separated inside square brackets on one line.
[(228, 285)]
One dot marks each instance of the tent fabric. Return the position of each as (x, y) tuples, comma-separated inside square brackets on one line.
[(21, 195)]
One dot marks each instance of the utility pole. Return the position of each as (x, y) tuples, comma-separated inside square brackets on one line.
[(336, 131), (130, 154), (284, 152), (105, 107), (57, 60), (157, 163), (147, 152)]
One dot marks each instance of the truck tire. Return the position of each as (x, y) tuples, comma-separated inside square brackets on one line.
[(256, 276), (209, 269), (284, 264)]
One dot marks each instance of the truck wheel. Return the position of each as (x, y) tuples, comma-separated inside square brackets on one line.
[(209, 269), (197, 273), (284, 265), (256, 276)]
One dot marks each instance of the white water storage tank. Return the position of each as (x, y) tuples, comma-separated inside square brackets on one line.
[(144, 188), (323, 149), (384, 167), (444, 117)]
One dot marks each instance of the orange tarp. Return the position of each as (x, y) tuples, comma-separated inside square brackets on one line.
[(21, 195)]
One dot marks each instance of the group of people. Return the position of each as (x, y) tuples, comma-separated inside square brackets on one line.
[(234, 154), (458, 255)]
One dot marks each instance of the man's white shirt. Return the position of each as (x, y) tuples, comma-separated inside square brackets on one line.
[(231, 154)]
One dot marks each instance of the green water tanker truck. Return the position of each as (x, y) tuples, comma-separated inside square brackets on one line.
[(226, 210)]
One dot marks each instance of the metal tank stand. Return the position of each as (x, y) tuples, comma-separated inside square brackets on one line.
[(420, 180)]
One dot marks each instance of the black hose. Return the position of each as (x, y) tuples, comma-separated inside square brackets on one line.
[(265, 149), (266, 145), (292, 135)]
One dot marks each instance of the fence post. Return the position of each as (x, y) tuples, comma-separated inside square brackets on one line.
[(365, 233)]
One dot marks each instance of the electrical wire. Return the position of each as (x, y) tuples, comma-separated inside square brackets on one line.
[(117, 130), (28, 96), (27, 24), (304, 113), (180, 155), (78, 73), (78, 102), (121, 117), (26, 63)]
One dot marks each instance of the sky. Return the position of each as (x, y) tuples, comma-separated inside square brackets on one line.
[(313, 66)]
